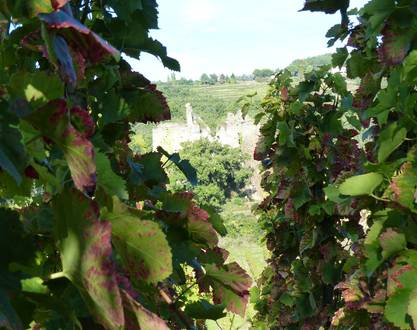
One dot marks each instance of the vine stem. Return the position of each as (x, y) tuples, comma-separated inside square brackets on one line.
[(379, 198), (56, 276), (177, 311)]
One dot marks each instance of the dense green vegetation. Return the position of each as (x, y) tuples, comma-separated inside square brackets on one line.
[(341, 215), (90, 235), (222, 177), (210, 102)]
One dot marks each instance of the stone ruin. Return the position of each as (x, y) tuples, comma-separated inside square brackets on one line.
[(236, 132)]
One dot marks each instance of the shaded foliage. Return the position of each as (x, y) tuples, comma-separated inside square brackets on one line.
[(91, 237), (341, 217)]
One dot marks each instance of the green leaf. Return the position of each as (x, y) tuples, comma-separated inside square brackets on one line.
[(361, 184), (200, 229), (339, 58), (333, 194), (203, 310), (327, 6), (404, 186), (397, 307), (138, 317), (85, 245), (215, 219), (141, 244), (409, 70), (52, 120), (412, 307), (111, 183), (183, 165), (389, 140), (34, 285), (231, 286), (32, 88), (12, 152), (31, 8), (392, 242)]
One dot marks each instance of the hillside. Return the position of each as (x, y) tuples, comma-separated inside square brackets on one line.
[(210, 102)]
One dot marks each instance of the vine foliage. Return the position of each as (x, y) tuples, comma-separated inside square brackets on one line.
[(340, 169), (90, 237)]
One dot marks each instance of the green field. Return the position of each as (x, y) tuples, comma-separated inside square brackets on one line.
[(210, 102)]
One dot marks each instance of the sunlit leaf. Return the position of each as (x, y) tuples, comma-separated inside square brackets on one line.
[(85, 245)]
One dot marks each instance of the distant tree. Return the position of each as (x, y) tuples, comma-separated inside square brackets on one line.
[(220, 177), (214, 78), (222, 79), (233, 79), (263, 73), (205, 79)]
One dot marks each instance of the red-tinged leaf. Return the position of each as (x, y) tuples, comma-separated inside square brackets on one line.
[(403, 186), (142, 245), (138, 317), (83, 122), (57, 4), (200, 229), (79, 37), (66, 65), (53, 122), (85, 245), (395, 46), (230, 285), (235, 303), (392, 242)]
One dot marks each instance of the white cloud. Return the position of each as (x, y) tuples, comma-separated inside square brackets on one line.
[(201, 11)]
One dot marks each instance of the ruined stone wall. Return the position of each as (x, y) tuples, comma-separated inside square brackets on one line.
[(236, 132)]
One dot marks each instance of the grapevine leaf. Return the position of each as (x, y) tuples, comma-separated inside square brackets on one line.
[(32, 88), (85, 245), (111, 183), (361, 184), (155, 48), (89, 44), (142, 245), (412, 307), (52, 120), (203, 310), (410, 66), (389, 140), (138, 317), (397, 307), (12, 153), (215, 219), (339, 58), (231, 286), (57, 4), (403, 186), (200, 229), (327, 6), (392, 242), (9, 320), (148, 170), (64, 58), (394, 46), (31, 8), (183, 165)]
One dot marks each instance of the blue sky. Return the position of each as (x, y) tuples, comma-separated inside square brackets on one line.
[(236, 36)]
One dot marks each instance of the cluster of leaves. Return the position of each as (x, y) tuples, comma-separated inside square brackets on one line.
[(90, 236), (225, 174), (341, 172)]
